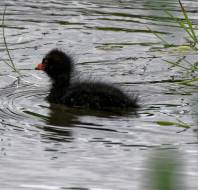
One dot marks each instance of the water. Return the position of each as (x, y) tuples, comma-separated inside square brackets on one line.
[(44, 146)]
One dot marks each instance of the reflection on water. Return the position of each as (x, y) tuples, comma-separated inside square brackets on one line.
[(47, 146)]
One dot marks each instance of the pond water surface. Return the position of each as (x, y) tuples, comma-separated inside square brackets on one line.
[(45, 146)]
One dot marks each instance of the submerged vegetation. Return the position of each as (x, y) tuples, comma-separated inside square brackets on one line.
[(178, 123)]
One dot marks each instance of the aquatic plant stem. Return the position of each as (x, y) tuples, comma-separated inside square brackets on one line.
[(188, 22), (12, 65), (186, 25), (158, 36)]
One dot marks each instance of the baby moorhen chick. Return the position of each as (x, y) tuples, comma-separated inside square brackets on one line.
[(87, 94)]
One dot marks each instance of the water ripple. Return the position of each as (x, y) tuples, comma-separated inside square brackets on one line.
[(15, 100)]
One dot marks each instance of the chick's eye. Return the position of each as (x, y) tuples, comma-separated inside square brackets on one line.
[(44, 61)]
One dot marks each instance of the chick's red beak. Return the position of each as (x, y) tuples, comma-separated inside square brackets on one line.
[(40, 66)]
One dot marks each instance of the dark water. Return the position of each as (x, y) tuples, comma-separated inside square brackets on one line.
[(44, 146)]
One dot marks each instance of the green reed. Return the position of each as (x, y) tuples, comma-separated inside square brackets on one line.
[(186, 24), (10, 63)]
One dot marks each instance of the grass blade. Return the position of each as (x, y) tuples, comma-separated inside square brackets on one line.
[(12, 65), (158, 36), (181, 23), (175, 64), (188, 22)]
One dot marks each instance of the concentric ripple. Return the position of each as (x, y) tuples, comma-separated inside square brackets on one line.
[(17, 101)]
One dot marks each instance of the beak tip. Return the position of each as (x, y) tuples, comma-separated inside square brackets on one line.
[(40, 66)]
